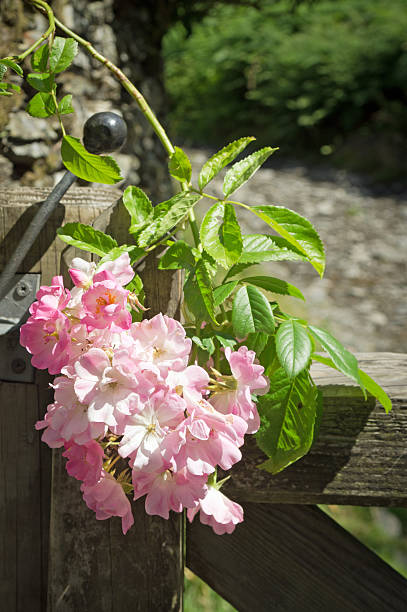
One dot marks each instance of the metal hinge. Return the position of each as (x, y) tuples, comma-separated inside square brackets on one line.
[(15, 362)]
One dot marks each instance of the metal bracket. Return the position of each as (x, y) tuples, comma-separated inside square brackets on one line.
[(15, 363)]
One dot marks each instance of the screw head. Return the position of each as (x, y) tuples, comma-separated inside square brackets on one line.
[(22, 289), (104, 132), (18, 365)]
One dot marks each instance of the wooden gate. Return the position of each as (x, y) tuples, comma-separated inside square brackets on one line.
[(286, 556)]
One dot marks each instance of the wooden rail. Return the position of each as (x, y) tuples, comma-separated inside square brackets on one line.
[(360, 457), (286, 556)]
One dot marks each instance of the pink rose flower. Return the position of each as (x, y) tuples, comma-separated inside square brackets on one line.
[(105, 305), (218, 511), (167, 490), (107, 499), (247, 378), (166, 337), (48, 341), (85, 461)]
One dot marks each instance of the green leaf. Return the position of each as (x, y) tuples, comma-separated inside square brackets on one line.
[(13, 65), (257, 342), (41, 82), (178, 257), (251, 312), (41, 105), (369, 384), (167, 215), (205, 344), (65, 105), (223, 291), (376, 390), (87, 238), (134, 253), (221, 159), (8, 86), (205, 287), (225, 340), (240, 172), (220, 234), (288, 413), (293, 347), (135, 285), (179, 166), (296, 230), (87, 166), (193, 299), (62, 53), (39, 59), (344, 361), (138, 206), (258, 248), (275, 285)]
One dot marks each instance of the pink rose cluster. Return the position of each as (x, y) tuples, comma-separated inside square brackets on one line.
[(126, 396)]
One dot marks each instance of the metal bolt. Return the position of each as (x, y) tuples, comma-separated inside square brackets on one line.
[(18, 365), (23, 289)]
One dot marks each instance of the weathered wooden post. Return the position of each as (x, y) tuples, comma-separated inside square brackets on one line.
[(92, 566), (25, 462)]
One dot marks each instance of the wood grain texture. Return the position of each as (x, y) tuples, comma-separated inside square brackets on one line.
[(20, 500), (25, 480), (360, 457), (92, 566), (289, 558)]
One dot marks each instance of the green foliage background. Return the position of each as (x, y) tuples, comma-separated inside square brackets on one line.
[(327, 77)]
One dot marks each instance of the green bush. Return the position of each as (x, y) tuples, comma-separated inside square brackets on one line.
[(306, 79)]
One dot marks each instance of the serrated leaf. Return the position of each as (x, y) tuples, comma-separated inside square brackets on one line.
[(179, 166), (221, 159), (205, 287), (13, 65), (341, 357), (297, 230), (41, 105), (167, 215), (87, 166), (368, 383), (259, 247), (205, 344), (134, 253), (288, 413), (293, 347), (87, 238), (178, 257), (275, 285), (240, 172), (223, 291), (251, 312), (65, 105), (138, 206), (220, 234), (39, 59), (62, 53)]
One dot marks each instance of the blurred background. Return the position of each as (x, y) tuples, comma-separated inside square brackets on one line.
[(326, 81)]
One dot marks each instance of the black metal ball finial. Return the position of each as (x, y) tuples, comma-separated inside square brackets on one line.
[(104, 132)]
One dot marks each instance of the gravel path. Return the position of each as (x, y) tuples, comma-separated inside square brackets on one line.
[(362, 298)]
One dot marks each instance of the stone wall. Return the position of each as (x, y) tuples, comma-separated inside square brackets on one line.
[(128, 33)]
